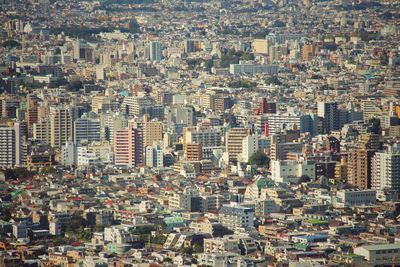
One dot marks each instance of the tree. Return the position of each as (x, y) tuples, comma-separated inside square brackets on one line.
[(20, 172), (75, 85), (259, 159), (11, 44), (273, 80), (304, 179)]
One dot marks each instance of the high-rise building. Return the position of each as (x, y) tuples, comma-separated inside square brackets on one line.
[(234, 216), (386, 169), (155, 155), (193, 152), (31, 115), (42, 131), (111, 122), (308, 52), (180, 115), (128, 147), (189, 46), (234, 142), (87, 128), (203, 135), (155, 51), (11, 145), (267, 107), (330, 114), (250, 146), (61, 126), (141, 105), (360, 161), (152, 132)]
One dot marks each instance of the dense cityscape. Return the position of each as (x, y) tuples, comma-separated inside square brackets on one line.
[(199, 133)]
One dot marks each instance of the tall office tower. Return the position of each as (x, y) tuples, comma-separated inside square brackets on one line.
[(189, 46), (155, 156), (42, 131), (60, 126), (128, 147), (330, 114), (267, 107), (155, 51), (360, 161), (234, 142), (110, 122), (11, 145), (386, 169), (152, 132), (32, 113), (87, 128)]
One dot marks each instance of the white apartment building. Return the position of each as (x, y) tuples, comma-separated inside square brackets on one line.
[(284, 171), (386, 169), (350, 198)]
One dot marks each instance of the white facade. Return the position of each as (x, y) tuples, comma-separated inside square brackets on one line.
[(205, 136), (386, 169), (11, 153), (118, 235), (68, 154), (249, 147), (224, 244), (251, 69), (290, 171), (385, 254), (235, 216), (155, 156), (350, 198)]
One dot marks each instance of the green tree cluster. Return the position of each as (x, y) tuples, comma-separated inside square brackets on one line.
[(231, 56), (242, 84), (260, 159)]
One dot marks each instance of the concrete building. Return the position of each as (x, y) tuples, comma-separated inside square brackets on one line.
[(360, 161), (128, 147), (234, 142), (234, 216), (42, 131), (155, 51), (290, 171), (11, 145), (87, 128), (350, 198), (111, 122), (251, 69), (219, 245), (249, 147), (386, 169), (60, 126), (382, 254), (155, 156), (330, 114)]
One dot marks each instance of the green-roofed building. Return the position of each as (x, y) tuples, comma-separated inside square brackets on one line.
[(172, 222)]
